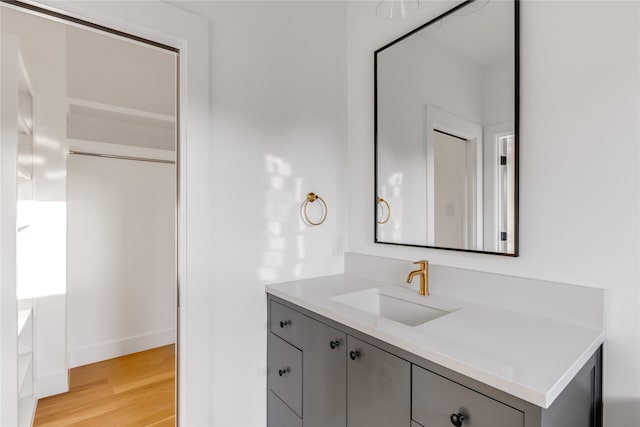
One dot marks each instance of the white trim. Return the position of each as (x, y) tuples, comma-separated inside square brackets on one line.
[(492, 133), (8, 182), (109, 350), (442, 120), (166, 24)]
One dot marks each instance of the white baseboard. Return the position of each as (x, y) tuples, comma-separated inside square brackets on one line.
[(109, 350), (52, 384)]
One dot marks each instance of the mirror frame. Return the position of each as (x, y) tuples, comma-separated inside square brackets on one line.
[(516, 128)]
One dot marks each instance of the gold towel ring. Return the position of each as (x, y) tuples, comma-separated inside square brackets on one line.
[(380, 220), (311, 198)]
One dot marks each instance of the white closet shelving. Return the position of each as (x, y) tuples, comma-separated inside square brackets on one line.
[(116, 125), (25, 315), (142, 114), (25, 352)]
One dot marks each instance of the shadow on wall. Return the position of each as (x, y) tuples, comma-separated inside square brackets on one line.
[(622, 412)]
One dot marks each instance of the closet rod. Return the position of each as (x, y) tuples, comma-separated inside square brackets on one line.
[(113, 156)]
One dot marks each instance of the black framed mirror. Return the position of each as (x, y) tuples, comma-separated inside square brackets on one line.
[(446, 132)]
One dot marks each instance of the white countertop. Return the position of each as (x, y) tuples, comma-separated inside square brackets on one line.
[(530, 357)]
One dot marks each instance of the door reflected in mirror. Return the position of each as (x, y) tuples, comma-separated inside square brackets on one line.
[(447, 132)]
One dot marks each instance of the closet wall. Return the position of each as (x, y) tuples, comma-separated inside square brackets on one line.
[(121, 282)]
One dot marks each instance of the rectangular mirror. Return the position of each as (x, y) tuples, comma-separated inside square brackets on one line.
[(446, 129)]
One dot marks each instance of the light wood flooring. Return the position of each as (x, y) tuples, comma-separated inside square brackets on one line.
[(133, 390)]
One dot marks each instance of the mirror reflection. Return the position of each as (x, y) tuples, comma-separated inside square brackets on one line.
[(446, 132)]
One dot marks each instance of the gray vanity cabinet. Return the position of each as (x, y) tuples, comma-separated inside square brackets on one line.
[(344, 381), (321, 373), (378, 387), (454, 403)]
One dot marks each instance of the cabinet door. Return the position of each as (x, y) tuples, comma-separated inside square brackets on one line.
[(436, 400), (279, 414), (325, 376), (378, 387)]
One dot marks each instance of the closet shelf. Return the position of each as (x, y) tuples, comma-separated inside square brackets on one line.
[(120, 110), (24, 175), (23, 317), (24, 127), (25, 363)]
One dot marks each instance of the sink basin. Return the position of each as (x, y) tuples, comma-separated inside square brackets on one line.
[(397, 306)]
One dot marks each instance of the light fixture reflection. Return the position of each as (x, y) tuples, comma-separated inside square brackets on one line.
[(396, 9)]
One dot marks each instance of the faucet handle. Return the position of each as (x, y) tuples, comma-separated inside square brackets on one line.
[(423, 263)]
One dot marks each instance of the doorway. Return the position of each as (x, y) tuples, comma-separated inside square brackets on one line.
[(452, 195), (454, 180), (116, 126)]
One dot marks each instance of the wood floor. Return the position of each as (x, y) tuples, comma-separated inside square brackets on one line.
[(133, 390)]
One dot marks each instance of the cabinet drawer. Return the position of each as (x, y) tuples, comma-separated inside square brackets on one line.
[(435, 399), (279, 414), (287, 324), (284, 373)]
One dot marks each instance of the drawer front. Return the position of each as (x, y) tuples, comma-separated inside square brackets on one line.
[(279, 414), (435, 399), (284, 372), (287, 324)]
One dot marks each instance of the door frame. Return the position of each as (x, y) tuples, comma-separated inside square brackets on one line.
[(492, 133), (165, 24), (8, 221), (444, 121)]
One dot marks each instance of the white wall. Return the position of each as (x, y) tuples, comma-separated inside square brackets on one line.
[(121, 257), (579, 162), (278, 132), (497, 106)]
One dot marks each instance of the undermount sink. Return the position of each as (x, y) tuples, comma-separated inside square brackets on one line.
[(396, 306)]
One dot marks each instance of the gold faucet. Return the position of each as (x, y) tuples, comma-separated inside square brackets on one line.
[(423, 272)]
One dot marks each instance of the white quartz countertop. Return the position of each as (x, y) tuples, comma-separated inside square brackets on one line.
[(527, 356)]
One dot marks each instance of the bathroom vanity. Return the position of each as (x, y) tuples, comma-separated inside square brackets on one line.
[(345, 350)]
